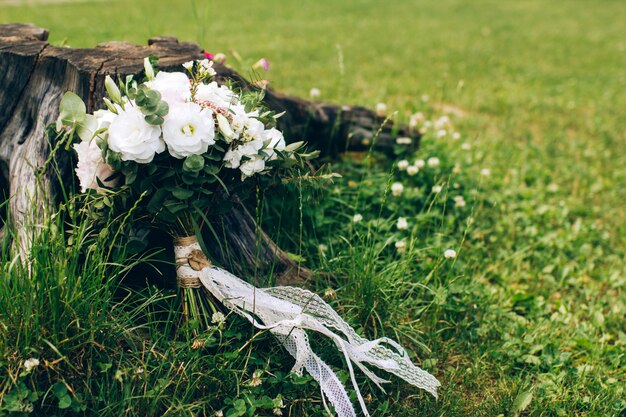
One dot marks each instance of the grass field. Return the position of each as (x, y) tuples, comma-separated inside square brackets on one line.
[(528, 319)]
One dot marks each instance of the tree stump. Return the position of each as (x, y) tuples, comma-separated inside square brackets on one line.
[(34, 75)]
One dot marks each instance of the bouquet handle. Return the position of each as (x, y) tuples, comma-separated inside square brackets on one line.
[(287, 312)]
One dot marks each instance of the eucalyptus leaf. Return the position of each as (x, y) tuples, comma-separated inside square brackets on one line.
[(72, 110), (154, 119), (193, 163)]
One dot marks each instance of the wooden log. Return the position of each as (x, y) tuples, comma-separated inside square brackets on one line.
[(34, 75)]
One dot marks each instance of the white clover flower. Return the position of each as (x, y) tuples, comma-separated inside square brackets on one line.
[(403, 165), (416, 119), (402, 223), (436, 189), (255, 381), (219, 413), (133, 138), (396, 189), (381, 109), (401, 246), (357, 218), (188, 130), (433, 162), (441, 133), (173, 86), (456, 136), (30, 364), (218, 318), (425, 98), (466, 146), (449, 254), (553, 187), (420, 163), (412, 170), (91, 166), (330, 294), (485, 172), (404, 140), (459, 201), (442, 122), (188, 65), (315, 93), (323, 248)]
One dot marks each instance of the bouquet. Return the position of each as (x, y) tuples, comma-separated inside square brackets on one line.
[(173, 146)]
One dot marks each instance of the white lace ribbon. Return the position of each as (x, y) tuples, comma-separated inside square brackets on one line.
[(287, 312)]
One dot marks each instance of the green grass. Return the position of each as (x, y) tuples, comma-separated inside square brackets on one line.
[(535, 301)]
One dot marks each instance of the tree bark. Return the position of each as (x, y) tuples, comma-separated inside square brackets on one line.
[(34, 75)]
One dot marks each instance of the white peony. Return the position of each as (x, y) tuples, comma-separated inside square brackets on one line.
[(173, 86), (188, 130), (221, 96), (252, 166), (133, 138), (91, 166)]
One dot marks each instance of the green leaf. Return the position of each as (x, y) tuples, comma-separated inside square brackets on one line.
[(72, 110), (182, 194), (193, 163), (154, 119), (59, 389), (521, 402), (65, 401), (162, 109)]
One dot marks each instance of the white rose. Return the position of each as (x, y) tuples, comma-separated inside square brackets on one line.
[(188, 130), (91, 166), (173, 86), (133, 138), (252, 166), (221, 96)]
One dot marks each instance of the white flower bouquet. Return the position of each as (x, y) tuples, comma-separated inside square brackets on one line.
[(174, 146)]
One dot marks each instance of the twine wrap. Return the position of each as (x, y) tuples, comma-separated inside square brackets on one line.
[(189, 260)]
